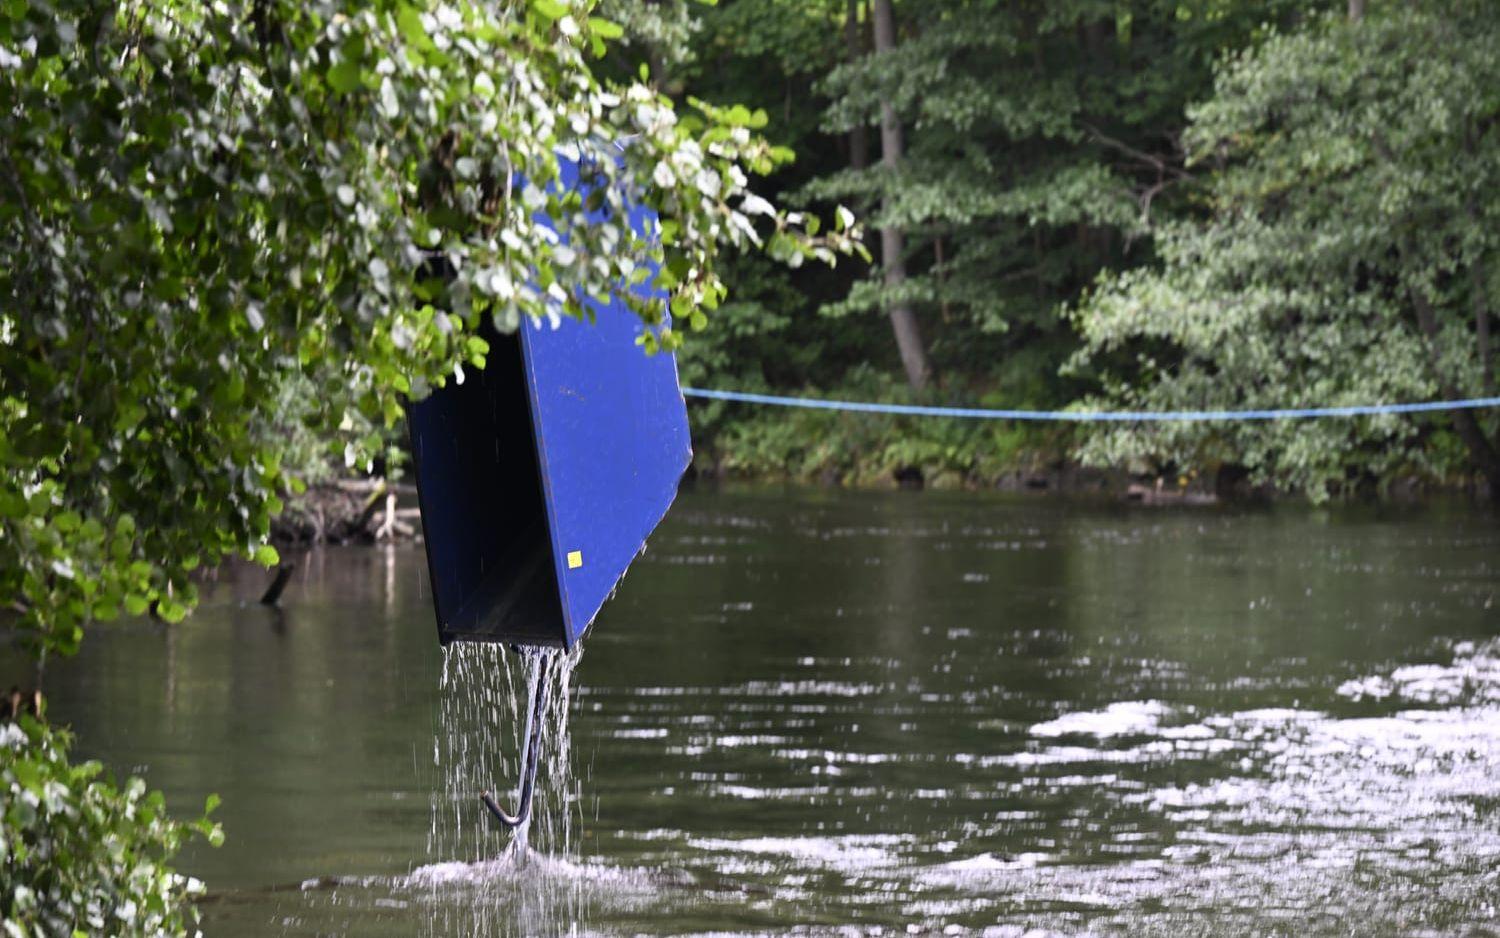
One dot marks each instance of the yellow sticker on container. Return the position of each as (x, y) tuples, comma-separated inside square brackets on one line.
[(575, 559)]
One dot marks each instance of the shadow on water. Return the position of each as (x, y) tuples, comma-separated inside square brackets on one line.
[(828, 713)]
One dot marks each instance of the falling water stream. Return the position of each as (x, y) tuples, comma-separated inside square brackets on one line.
[(483, 878)]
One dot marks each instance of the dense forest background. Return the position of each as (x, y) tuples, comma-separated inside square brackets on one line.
[(1140, 203)]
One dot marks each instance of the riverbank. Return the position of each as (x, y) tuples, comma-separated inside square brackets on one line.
[(1041, 473), (373, 511), (876, 451)]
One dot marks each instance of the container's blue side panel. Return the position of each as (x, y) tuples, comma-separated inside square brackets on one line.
[(612, 438)]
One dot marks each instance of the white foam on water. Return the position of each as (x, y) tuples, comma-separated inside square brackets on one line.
[(851, 852), (986, 862), (1473, 677), (519, 867), (1126, 718)]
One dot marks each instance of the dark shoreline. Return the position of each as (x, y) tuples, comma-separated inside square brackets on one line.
[(1230, 485), (369, 511)]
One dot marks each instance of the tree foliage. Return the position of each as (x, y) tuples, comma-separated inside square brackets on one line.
[(1040, 141), (1276, 193), (82, 855), (1347, 253)]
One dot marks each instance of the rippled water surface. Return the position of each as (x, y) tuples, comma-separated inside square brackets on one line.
[(859, 714)]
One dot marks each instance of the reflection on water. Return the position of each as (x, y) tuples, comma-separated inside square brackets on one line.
[(825, 713)]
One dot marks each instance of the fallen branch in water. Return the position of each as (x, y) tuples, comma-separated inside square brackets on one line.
[(273, 592)]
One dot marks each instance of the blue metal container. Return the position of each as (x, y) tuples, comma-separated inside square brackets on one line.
[(541, 477)]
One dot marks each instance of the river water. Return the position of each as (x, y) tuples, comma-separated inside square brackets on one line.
[(837, 713)]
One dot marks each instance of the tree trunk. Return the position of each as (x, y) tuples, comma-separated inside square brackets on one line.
[(940, 266), (892, 240), (1356, 10), (1481, 450), (1096, 45), (859, 137), (1479, 284), (1482, 333)]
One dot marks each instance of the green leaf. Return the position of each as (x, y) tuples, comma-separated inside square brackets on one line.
[(409, 22), (605, 28), (12, 505), (344, 77), (231, 391)]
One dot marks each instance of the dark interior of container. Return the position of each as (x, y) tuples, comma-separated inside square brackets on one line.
[(484, 521)]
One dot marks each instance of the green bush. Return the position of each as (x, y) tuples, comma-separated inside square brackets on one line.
[(82, 856)]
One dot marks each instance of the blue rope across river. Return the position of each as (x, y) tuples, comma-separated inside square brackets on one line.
[(1096, 416)]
